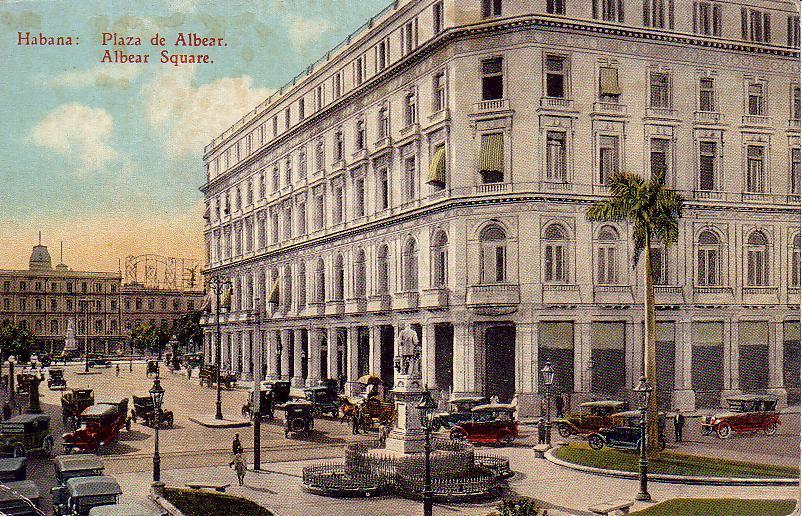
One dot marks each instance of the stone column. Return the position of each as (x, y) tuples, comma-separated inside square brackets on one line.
[(351, 359), (225, 354), (374, 358), (285, 354), (583, 353), (428, 357), (298, 379), (776, 380), (247, 354), (526, 368), (315, 337), (464, 358), (272, 364), (684, 397), (331, 340), (731, 352)]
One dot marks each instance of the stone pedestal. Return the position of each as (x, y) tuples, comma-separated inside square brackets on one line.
[(407, 436), (684, 400)]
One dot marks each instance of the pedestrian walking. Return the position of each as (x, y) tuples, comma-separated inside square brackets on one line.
[(117, 370), (559, 405), (679, 424), (541, 431), (236, 446), (189, 372), (355, 417), (240, 466)]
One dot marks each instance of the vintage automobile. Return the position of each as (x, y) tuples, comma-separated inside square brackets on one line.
[(22, 497), (152, 367), (624, 433), (280, 390), (98, 360), (79, 495), (208, 376), (74, 401), (298, 417), (144, 410), (459, 410), (592, 416), (747, 413), (55, 379), (265, 405), (325, 400), (100, 425), (490, 423), (25, 433), (13, 468), (72, 466)]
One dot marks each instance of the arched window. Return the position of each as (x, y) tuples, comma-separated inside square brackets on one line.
[(320, 281), (493, 254), (708, 259), (409, 265), (339, 278), (440, 259), (607, 256), (555, 258), (382, 270), (795, 263), (301, 284), (757, 259), (287, 288), (360, 279)]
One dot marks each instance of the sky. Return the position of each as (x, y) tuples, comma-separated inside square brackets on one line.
[(107, 157)]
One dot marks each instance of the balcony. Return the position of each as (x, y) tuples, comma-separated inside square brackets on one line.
[(406, 301), (316, 308), (335, 307), (557, 186), (492, 106), (762, 294), (438, 117), (708, 194), (434, 298), (356, 305), (756, 196), (661, 112), (669, 294), (708, 117), (494, 294), (556, 104), (613, 294), (561, 294), (492, 188), (710, 294), (382, 144), (609, 108), (359, 155), (379, 303), (756, 120), (410, 129)]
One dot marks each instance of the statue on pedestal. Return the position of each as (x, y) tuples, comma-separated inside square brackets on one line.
[(409, 353), (70, 344)]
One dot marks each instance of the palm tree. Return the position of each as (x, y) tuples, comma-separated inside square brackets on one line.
[(654, 211)]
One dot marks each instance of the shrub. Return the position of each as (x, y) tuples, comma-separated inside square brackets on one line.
[(521, 506)]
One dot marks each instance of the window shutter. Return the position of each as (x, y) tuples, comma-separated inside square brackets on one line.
[(744, 24), (646, 13), (717, 20), (608, 81), (696, 17), (491, 156), (621, 11), (670, 14), (767, 27)]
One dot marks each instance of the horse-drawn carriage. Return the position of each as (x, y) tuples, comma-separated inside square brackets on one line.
[(208, 376), (146, 412)]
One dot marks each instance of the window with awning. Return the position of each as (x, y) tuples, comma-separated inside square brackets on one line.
[(491, 158), (609, 88), (437, 169)]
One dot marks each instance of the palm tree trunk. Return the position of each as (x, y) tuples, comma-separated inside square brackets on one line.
[(650, 351)]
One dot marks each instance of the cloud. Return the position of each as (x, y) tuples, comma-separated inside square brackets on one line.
[(186, 117), (304, 32), (80, 133), (182, 6), (110, 74)]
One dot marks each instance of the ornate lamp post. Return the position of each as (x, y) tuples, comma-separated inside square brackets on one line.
[(426, 409), (257, 388), (548, 379), (219, 286), (643, 390), (157, 396), (279, 350)]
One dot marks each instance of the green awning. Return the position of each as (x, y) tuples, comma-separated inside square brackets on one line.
[(437, 169), (491, 154), (608, 81)]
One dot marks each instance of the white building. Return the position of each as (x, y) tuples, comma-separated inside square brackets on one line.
[(435, 169)]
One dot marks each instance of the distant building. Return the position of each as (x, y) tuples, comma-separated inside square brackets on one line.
[(102, 309)]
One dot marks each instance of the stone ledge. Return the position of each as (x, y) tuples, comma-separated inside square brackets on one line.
[(209, 421)]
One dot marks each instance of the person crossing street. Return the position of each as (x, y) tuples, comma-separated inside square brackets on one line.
[(679, 424)]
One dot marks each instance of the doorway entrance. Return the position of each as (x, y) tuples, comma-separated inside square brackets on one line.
[(499, 373)]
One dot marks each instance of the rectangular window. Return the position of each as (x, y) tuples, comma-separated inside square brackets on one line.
[(659, 90), (383, 188), (608, 158), (339, 146), (302, 164), (793, 31), (706, 95), (556, 77), (493, 79), (609, 87), (707, 18), (301, 109), (275, 126), (320, 157), (707, 166), (359, 197), (338, 200), (556, 157), (337, 85), (491, 158), (659, 157), (320, 213), (755, 25), (359, 69), (756, 101), (302, 219), (491, 8), (275, 181), (795, 171), (381, 55), (288, 172), (360, 135), (410, 178), (410, 109), (501, 266), (439, 92), (319, 98), (608, 10), (274, 227), (659, 266), (755, 169), (555, 6), (287, 121), (437, 17), (658, 13), (795, 103), (384, 123)]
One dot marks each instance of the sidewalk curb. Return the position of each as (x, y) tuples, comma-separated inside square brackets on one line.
[(674, 479), (162, 502)]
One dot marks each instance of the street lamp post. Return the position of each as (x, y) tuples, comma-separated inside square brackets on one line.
[(257, 390), (85, 303), (157, 396), (219, 286), (548, 379), (643, 390), (11, 361), (279, 351), (426, 409)]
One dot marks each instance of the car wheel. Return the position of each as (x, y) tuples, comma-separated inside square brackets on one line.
[(564, 430), (595, 442), (771, 428), (724, 431), (458, 434), (19, 450)]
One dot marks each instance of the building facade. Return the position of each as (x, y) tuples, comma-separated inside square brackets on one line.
[(435, 169), (100, 308)]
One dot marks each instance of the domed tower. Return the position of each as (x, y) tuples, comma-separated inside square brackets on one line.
[(40, 257)]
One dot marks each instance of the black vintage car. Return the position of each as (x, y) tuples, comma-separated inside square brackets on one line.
[(625, 432), (146, 412), (20, 498), (24, 433), (325, 400), (299, 417), (459, 410), (74, 401), (79, 495), (152, 367), (81, 465), (55, 379), (13, 468), (265, 405), (280, 390)]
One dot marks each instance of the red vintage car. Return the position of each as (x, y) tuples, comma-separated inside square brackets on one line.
[(99, 425), (493, 423), (747, 413)]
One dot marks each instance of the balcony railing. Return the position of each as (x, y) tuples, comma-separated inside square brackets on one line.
[(560, 287), (756, 196), (382, 143), (559, 186), (556, 103), (610, 108), (759, 290), (759, 120), (708, 117), (707, 194), (710, 289), (406, 300), (667, 289), (659, 112), (494, 294), (489, 106), (492, 188), (410, 129), (379, 302)]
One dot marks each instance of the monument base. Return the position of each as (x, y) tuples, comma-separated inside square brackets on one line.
[(405, 442)]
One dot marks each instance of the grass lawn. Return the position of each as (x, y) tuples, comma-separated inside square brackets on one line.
[(720, 507), (200, 503), (670, 463)]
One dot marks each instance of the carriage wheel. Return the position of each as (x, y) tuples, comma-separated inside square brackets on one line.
[(564, 430)]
